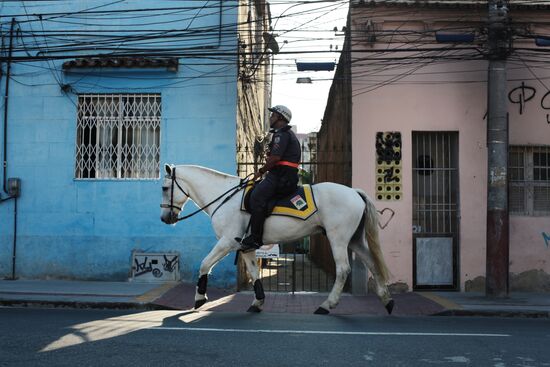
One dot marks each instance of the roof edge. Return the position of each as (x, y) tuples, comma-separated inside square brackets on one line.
[(448, 4)]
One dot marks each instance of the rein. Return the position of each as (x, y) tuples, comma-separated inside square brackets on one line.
[(235, 189)]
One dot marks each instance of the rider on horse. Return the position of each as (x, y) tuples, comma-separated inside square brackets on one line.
[(281, 166)]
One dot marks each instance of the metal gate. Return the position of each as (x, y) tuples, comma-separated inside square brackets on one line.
[(435, 210), (294, 270), (295, 267)]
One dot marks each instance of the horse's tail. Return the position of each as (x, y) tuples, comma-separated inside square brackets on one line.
[(371, 231)]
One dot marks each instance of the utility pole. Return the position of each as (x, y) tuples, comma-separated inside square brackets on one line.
[(496, 284)]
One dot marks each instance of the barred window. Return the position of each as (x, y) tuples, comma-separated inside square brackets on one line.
[(118, 136), (529, 175)]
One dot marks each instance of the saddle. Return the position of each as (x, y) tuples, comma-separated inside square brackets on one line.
[(299, 204)]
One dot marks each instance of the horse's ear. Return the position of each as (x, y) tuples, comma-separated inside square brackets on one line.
[(168, 169)]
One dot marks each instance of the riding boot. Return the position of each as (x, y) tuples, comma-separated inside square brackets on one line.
[(254, 240)]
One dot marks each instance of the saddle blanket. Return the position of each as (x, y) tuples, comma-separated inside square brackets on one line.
[(300, 204)]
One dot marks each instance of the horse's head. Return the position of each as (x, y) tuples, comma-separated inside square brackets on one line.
[(174, 196)]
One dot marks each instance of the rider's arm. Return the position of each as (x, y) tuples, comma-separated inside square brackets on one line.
[(271, 162), (279, 144)]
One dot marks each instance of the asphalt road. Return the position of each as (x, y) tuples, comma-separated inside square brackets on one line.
[(67, 337)]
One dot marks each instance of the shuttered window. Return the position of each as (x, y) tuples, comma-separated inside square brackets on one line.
[(118, 136), (529, 178)]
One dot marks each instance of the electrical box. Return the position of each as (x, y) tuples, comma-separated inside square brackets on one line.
[(14, 187)]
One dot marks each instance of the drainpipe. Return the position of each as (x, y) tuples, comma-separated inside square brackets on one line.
[(14, 247), (13, 182), (496, 283), (6, 94)]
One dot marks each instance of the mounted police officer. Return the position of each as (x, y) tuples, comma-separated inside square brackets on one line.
[(281, 166)]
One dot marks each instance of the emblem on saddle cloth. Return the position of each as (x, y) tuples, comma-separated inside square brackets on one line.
[(300, 204)]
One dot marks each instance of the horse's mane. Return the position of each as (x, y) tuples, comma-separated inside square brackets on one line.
[(210, 170)]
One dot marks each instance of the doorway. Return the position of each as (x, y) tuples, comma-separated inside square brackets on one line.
[(435, 210)]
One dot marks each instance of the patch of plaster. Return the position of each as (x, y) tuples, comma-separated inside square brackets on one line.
[(535, 280), (398, 287)]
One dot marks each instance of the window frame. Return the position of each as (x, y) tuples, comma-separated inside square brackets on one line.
[(528, 182), (125, 124)]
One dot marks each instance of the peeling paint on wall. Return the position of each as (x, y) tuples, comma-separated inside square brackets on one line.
[(546, 238), (535, 280)]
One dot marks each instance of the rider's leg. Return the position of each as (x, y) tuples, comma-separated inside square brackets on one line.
[(262, 193)]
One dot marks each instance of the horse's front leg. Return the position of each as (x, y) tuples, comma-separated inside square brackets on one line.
[(222, 248), (251, 263)]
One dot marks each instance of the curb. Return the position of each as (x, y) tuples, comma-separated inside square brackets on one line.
[(82, 305)]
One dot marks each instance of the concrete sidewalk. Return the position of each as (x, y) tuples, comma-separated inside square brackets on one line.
[(180, 296)]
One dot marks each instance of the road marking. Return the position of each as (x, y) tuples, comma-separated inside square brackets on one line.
[(325, 332)]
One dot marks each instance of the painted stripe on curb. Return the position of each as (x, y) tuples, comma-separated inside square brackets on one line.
[(444, 302), (325, 332), (155, 293)]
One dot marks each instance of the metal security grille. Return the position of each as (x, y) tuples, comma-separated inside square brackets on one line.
[(435, 210), (118, 136), (529, 180), (294, 270), (435, 183)]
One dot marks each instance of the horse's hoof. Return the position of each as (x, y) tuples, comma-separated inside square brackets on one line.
[(199, 303), (389, 306), (254, 309), (321, 311)]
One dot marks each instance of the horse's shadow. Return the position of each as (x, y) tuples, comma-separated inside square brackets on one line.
[(192, 317)]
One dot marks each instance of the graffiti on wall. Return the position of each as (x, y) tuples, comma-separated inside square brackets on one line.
[(546, 238), (155, 266), (388, 166), (523, 94)]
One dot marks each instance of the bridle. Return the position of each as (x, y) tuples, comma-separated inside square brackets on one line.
[(171, 206), (243, 182)]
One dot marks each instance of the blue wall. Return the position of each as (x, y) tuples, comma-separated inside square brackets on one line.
[(87, 229)]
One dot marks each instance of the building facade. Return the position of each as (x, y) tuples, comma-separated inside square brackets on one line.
[(419, 139), (98, 97)]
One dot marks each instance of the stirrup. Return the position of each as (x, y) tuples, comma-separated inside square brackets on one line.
[(248, 244)]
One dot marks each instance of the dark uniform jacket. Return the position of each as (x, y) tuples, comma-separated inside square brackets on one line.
[(285, 144)]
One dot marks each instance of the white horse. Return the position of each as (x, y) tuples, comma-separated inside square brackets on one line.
[(347, 216)]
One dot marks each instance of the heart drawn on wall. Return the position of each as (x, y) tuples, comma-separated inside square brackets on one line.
[(386, 216)]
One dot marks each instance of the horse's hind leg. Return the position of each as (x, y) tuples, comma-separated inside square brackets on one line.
[(219, 251), (250, 261), (360, 248), (340, 254)]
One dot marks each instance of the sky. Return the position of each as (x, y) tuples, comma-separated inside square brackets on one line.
[(306, 26)]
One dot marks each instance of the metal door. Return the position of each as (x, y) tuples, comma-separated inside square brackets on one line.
[(435, 210)]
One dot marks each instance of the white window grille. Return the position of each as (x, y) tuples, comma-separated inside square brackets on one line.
[(118, 136), (529, 178)]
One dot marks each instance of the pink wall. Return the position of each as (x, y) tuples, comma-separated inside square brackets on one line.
[(454, 107), (528, 249), (447, 96)]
